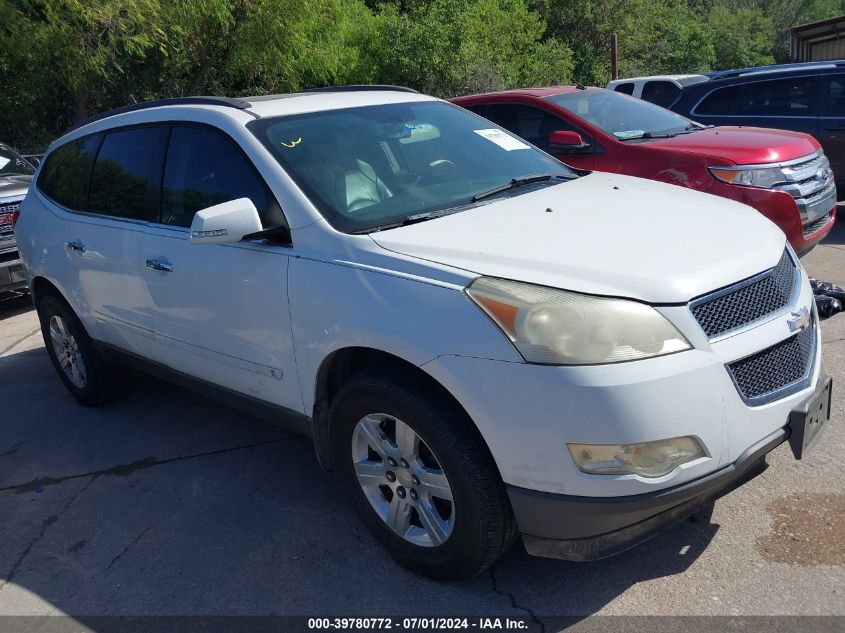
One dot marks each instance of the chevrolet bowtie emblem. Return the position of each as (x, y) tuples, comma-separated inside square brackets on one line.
[(800, 319)]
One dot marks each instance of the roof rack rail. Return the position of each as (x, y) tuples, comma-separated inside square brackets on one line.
[(774, 69), (360, 88), (229, 102)]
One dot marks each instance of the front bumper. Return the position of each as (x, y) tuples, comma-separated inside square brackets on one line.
[(12, 273), (803, 222), (592, 528)]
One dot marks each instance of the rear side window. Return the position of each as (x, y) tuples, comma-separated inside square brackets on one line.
[(65, 173), (662, 93), (126, 176), (780, 97), (784, 97), (205, 168), (626, 88)]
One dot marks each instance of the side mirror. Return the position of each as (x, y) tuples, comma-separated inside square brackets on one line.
[(567, 142), (225, 223)]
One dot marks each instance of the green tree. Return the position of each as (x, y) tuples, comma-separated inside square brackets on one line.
[(450, 47)]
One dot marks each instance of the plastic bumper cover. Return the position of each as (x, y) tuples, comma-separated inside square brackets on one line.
[(591, 528)]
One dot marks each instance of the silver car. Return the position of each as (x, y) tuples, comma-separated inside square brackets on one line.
[(15, 175)]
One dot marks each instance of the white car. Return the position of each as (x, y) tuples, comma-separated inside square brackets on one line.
[(663, 90), (481, 342)]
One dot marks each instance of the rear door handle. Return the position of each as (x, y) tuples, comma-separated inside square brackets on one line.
[(76, 245), (159, 265)]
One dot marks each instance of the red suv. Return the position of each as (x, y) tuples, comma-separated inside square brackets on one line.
[(784, 175)]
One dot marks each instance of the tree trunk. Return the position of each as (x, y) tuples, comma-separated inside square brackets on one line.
[(80, 104)]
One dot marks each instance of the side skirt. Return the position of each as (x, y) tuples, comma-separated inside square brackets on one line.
[(291, 420)]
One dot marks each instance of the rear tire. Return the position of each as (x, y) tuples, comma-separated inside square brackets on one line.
[(400, 453), (90, 380)]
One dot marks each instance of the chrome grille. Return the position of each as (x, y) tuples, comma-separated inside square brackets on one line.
[(816, 225), (748, 301), (775, 371), (810, 181)]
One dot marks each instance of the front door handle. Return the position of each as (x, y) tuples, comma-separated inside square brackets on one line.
[(159, 265), (76, 246)]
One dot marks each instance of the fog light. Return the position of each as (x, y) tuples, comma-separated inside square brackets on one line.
[(648, 459)]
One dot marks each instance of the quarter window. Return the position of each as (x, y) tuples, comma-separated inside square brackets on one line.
[(626, 88), (205, 168), (127, 173), (65, 173)]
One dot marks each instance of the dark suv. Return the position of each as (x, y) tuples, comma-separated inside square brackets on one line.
[(806, 97)]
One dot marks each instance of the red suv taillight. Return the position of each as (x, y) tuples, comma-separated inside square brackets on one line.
[(15, 215)]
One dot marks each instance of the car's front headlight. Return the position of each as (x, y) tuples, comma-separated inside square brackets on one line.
[(556, 327), (764, 177)]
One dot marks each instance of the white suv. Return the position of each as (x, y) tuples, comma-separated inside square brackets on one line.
[(481, 341)]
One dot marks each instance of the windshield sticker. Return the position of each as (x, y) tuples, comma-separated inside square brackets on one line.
[(291, 144), (629, 134), (4, 161), (502, 139)]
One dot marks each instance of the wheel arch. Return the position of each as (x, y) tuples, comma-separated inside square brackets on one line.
[(341, 365)]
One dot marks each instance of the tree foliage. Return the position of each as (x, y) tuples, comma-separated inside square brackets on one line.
[(61, 60)]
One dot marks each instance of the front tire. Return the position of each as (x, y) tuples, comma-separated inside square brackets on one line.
[(83, 371), (419, 475)]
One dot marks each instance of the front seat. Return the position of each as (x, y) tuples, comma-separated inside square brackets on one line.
[(357, 186)]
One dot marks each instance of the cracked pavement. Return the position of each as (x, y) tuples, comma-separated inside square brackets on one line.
[(167, 504)]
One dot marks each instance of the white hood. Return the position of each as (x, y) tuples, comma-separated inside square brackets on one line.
[(605, 234)]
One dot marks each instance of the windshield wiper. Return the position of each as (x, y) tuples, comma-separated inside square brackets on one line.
[(516, 183), (411, 219)]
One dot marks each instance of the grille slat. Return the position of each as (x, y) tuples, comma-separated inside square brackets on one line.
[(775, 368), (730, 310), (816, 225)]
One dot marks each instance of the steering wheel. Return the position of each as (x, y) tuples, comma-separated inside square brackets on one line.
[(436, 170)]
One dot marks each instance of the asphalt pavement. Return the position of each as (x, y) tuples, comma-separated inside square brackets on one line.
[(167, 504)]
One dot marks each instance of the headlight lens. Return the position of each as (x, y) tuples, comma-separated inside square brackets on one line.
[(556, 327), (765, 177), (648, 459)]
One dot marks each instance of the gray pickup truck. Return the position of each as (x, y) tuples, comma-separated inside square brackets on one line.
[(15, 175)]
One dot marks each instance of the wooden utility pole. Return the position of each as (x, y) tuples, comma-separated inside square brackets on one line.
[(614, 57)]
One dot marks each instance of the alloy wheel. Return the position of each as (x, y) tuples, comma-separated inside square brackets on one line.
[(67, 352), (403, 480)]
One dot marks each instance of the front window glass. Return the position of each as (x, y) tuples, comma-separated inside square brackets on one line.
[(622, 116), (204, 168), (371, 166), (12, 163)]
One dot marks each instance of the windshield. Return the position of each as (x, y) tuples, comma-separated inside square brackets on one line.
[(368, 167), (622, 116), (12, 163)]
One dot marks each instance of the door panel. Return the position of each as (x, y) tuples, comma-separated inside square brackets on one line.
[(221, 314)]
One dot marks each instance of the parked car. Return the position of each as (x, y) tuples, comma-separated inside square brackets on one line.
[(662, 90), (481, 341), (805, 97), (784, 175), (15, 176)]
